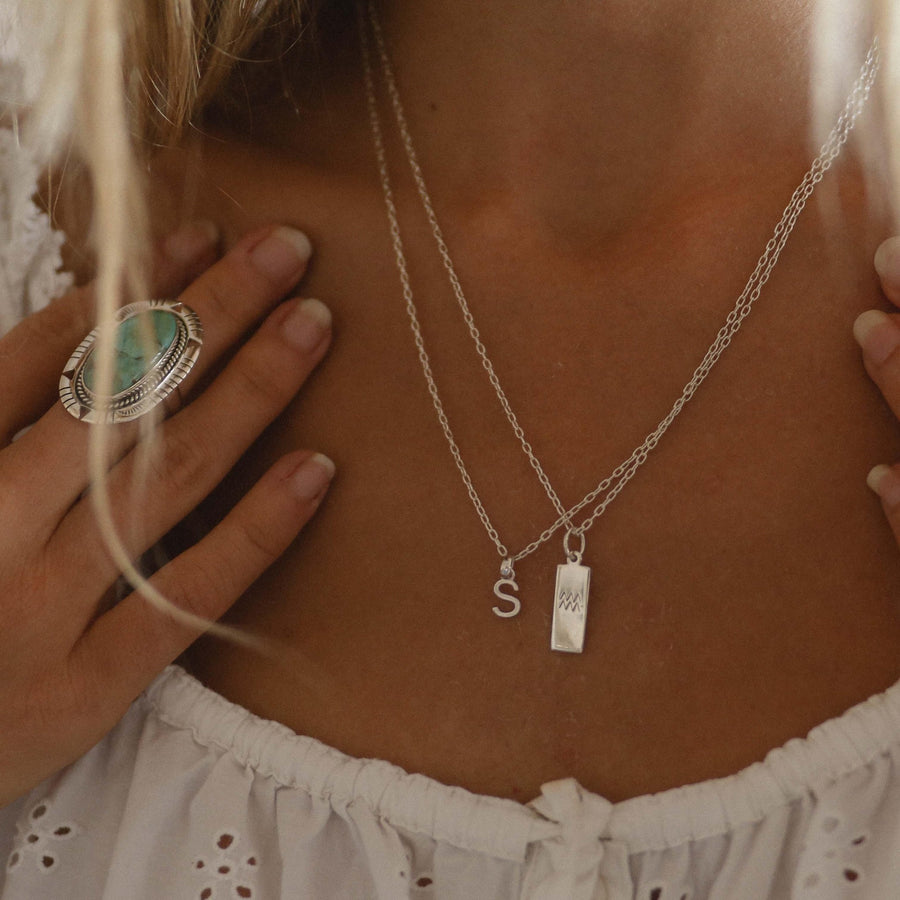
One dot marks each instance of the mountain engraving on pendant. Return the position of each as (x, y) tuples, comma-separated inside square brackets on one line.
[(571, 601)]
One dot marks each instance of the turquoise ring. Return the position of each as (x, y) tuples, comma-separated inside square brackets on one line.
[(156, 344)]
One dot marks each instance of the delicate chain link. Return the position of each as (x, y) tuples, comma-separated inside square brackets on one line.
[(830, 151), (391, 85), (397, 241), (609, 487)]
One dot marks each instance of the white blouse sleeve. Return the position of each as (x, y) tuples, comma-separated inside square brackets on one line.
[(30, 261)]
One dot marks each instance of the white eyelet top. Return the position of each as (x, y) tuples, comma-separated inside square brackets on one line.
[(194, 797)]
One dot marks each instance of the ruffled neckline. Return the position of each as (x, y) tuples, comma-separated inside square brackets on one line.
[(505, 828)]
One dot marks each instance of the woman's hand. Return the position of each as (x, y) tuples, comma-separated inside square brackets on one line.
[(66, 674), (878, 334)]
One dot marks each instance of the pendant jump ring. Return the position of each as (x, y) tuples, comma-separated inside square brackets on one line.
[(506, 568), (573, 555)]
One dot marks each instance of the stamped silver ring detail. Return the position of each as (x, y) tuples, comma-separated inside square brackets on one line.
[(157, 343)]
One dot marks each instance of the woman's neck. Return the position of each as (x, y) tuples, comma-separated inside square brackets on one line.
[(576, 120), (567, 109)]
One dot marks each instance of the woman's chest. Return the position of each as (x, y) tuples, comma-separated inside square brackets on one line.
[(742, 581)]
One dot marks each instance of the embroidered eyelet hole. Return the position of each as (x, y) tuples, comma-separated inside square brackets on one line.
[(232, 874), (35, 837), (840, 858)]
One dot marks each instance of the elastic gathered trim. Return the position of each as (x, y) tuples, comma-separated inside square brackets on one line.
[(504, 828)]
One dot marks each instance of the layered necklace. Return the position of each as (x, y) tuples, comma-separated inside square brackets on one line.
[(570, 597)]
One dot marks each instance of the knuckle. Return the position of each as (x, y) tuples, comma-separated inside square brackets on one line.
[(229, 278), (194, 597), (204, 587), (258, 380), (184, 463), (218, 289), (258, 543)]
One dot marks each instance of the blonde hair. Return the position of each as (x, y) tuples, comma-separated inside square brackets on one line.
[(842, 31), (130, 76), (183, 58)]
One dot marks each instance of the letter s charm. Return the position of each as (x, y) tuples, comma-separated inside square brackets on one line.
[(509, 598)]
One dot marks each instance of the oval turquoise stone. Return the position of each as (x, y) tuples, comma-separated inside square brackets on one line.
[(138, 348)]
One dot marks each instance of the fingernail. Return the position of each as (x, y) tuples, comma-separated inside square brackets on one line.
[(282, 254), (307, 324), (884, 481), (877, 334), (313, 476), (186, 243), (887, 260)]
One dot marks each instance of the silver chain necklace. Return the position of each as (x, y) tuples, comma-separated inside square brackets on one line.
[(572, 578)]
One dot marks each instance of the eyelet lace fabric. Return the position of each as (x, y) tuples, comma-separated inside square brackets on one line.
[(30, 260), (194, 797), (31, 272)]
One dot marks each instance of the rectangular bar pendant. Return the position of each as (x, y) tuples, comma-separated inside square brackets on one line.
[(570, 600)]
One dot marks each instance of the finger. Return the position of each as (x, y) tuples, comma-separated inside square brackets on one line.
[(199, 445), (33, 354), (183, 256), (885, 482), (887, 264), (878, 335), (131, 643), (230, 297)]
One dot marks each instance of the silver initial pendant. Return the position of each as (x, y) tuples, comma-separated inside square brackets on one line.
[(570, 601), (507, 580)]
